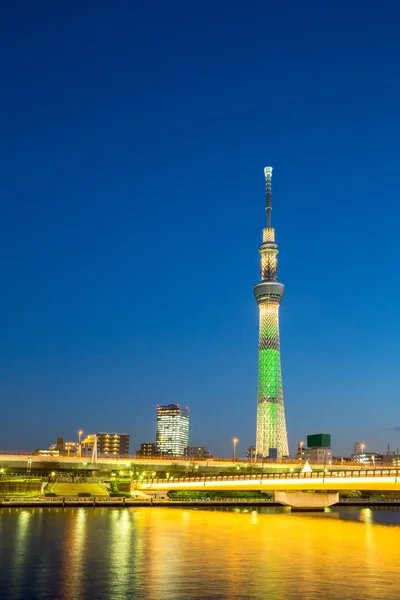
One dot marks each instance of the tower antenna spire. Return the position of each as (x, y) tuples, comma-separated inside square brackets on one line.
[(268, 177)]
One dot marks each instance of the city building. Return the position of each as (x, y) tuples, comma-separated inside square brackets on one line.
[(85, 447), (319, 450), (71, 448), (114, 444), (372, 458), (271, 424), (47, 452), (319, 440), (172, 429), (53, 450), (192, 452), (147, 449), (358, 448), (321, 455), (60, 444), (303, 453), (391, 458), (251, 453)]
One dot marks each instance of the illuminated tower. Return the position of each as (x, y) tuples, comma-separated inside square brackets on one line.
[(172, 434), (271, 424)]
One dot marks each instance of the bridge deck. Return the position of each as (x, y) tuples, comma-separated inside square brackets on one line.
[(365, 479)]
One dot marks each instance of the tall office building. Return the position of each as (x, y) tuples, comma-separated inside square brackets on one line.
[(271, 425), (172, 429)]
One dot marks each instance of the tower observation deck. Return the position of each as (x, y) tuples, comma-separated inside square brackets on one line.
[(271, 423)]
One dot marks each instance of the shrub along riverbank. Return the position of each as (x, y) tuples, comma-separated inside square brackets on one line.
[(217, 494)]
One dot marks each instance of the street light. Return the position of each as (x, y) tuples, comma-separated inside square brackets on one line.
[(301, 444), (362, 459), (68, 448), (79, 443), (235, 441)]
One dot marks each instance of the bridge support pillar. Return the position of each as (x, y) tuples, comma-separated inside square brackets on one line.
[(307, 500), (148, 494)]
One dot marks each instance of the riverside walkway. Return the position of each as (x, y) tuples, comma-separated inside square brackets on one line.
[(102, 501)]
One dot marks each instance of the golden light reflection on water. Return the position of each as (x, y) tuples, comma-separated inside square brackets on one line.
[(121, 554), (20, 549), (73, 566), (174, 554), (232, 555)]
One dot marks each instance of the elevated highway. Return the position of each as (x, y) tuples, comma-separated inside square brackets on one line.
[(20, 460)]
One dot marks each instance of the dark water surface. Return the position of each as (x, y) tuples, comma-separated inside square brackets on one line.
[(179, 554)]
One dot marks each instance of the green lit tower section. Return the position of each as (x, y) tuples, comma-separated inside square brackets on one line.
[(271, 423)]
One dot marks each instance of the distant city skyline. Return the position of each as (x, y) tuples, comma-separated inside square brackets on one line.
[(133, 148), (172, 427)]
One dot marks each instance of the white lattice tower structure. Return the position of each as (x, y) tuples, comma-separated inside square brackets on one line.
[(94, 450), (271, 423)]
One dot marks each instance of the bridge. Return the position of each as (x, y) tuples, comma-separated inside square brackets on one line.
[(293, 489), (112, 462)]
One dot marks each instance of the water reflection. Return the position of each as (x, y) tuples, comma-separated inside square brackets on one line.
[(121, 557), (23, 519), (173, 554), (74, 564)]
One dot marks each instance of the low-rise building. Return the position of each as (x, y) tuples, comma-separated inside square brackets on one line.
[(251, 453), (86, 446), (113, 444), (390, 458), (147, 449), (320, 455), (71, 448), (192, 452), (319, 448), (303, 453), (369, 458), (47, 452)]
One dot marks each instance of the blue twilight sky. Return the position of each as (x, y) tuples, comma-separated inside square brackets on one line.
[(133, 140)]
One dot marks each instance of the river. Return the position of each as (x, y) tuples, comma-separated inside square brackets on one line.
[(179, 554)]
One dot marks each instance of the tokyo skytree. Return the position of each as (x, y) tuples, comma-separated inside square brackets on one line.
[(271, 424)]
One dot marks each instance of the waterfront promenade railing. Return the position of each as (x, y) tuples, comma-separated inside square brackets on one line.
[(98, 502)]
